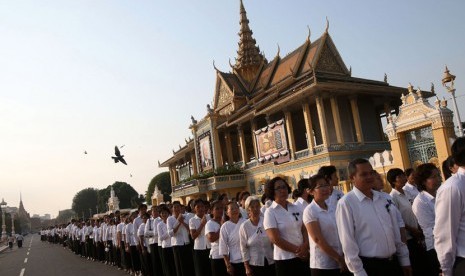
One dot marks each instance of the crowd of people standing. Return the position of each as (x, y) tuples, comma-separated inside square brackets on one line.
[(324, 232)]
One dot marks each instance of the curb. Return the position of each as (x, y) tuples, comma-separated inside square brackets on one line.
[(3, 248)]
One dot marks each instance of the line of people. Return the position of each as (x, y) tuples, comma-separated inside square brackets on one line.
[(324, 232)]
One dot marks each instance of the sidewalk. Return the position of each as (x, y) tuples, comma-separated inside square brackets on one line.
[(3, 248)]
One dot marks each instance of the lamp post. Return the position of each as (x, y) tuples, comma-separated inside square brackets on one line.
[(12, 223), (449, 78), (3, 204)]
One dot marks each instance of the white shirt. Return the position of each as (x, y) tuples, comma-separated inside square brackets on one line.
[(201, 242), (405, 207), (230, 241), (255, 244), (410, 191), (103, 228), (289, 225), (213, 227), (130, 235), (423, 208), (181, 237), (244, 214), (141, 232), (449, 236), (327, 221), (149, 232), (333, 199), (164, 238), (97, 234), (368, 228), (136, 223), (302, 203)]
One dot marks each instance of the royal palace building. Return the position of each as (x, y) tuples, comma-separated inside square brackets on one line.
[(291, 115)]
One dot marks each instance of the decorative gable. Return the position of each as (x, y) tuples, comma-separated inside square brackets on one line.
[(224, 99), (328, 62)]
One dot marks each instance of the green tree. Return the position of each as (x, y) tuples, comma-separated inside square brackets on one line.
[(128, 197), (84, 200), (163, 182)]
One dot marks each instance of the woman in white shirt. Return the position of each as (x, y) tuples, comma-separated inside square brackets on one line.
[(212, 232), (428, 180), (229, 245), (284, 227), (164, 239), (326, 257), (201, 243), (131, 244), (330, 173), (256, 247)]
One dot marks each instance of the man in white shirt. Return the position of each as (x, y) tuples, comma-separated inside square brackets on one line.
[(410, 188), (368, 229), (152, 234), (449, 235), (178, 229)]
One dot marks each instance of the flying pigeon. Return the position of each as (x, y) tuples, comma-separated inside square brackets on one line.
[(119, 157), (85, 152), (130, 175)]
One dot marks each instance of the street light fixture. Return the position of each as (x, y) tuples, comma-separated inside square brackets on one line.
[(449, 78), (3, 204)]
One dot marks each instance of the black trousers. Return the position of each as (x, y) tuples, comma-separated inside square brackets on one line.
[(296, 265), (134, 258), (459, 266), (157, 269), (432, 265), (168, 261), (145, 262), (239, 269), (20, 243), (267, 269), (183, 260), (202, 262), (218, 267), (382, 267), (417, 256)]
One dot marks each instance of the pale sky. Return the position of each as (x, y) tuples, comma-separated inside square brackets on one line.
[(92, 74)]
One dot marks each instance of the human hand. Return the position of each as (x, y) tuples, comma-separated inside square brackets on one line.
[(407, 270)]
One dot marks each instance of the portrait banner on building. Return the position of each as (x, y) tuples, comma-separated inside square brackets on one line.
[(204, 147), (184, 172), (272, 143)]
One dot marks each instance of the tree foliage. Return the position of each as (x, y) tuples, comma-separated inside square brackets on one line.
[(163, 182), (84, 200)]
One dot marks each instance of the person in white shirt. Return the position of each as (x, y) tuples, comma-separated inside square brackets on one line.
[(119, 243), (178, 229), (256, 247), (410, 188), (449, 167), (368, 228), (330, 173), (131, 244), (164, 239), (326, 257), (144, 255), (284, 227), (241, 200), (427, 177), (229, 245), (151, 235), (449, 235), (201, 244), (414, 236), (212, 232), (304, 194)]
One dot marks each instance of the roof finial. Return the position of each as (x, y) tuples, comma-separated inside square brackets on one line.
[(327, 25), (215, 66), (350, 71), (309, 33), (279, 50)]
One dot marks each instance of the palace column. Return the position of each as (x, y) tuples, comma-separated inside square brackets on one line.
[(253, 124), (322, 118), (240, 132), (172, 179), (194, 163), (337, 120), (290, 132), (308, 126), (227, 137), (217, 156), (356, 118), (176, 177)]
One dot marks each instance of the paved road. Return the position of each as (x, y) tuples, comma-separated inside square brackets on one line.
[(38, 258)]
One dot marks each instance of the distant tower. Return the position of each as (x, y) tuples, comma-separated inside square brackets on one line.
[(23, 216), (113, 202)]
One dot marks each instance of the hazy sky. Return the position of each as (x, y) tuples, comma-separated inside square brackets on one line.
[(89, 75)]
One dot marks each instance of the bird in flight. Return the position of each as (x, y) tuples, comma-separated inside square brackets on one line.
[(119, 157), (85, 152), (130, 175)]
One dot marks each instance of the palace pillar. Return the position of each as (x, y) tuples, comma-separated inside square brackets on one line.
[(171, 175), (227, 138), (308, 126), (253, 124), (337, 120), (356, 118), (399, 151), (322, 119), (217, 149), (240, 132), (194, 163), (290, 133), (442, 143)]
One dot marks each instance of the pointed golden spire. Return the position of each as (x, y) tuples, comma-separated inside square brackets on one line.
[(249, 57)]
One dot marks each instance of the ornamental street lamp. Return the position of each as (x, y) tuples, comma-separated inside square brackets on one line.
[(449, 78), (12, 223), (3, 204)]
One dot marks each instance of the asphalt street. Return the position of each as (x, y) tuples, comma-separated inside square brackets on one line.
[(37, 258)]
